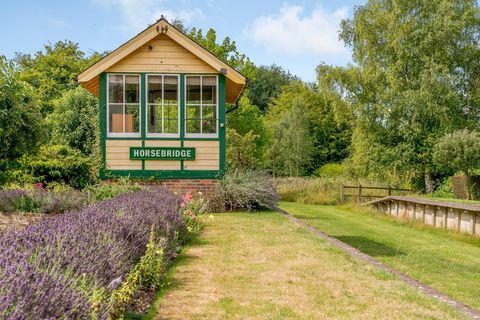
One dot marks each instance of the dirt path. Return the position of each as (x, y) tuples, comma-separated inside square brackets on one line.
[(262, 266)]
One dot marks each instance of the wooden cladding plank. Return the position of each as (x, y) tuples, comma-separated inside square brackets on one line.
[(162, 143), (202, 144), (123, 143)]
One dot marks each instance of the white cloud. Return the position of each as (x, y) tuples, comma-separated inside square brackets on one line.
[(138, 14), (291, 32)]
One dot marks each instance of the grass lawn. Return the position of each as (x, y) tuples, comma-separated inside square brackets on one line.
[(443, 260), (262, 266)]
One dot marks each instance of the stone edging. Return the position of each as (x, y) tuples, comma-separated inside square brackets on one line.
[(459, 306)]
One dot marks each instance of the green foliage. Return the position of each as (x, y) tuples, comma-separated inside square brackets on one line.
[(458, 152), (60, 164), (444, 189), (146, 274), (414, 79), (21, 124), (330, 170), (74, 121), (106, 191), (267, 84), (226, 51), (291, 150), (51, 72), (193, 206), (248, 189), (241, 150), (329, 138)]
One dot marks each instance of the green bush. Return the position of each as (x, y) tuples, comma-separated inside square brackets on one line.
[(330, 170), (60, 164), (248, 190), (100, 192)]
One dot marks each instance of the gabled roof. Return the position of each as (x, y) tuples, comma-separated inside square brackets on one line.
[(235, 81)]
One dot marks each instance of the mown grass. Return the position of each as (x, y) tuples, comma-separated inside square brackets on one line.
[(262, 266), (446, 261)]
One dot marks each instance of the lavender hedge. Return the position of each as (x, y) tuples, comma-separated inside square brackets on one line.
[(44, 268)]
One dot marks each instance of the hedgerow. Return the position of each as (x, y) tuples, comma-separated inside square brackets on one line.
[(74, 265)]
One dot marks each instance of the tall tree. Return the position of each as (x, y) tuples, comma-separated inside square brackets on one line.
[(52, 72), (21, 124), (266, 85), (416, 68)]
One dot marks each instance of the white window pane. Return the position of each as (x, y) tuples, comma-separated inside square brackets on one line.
[(115, 88), (155, 89), (209, 90), (115, 116), (132, 89), (170, 90), (209, 126), (193, 89), (132, 116)]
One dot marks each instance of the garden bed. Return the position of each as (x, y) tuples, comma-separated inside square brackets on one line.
[(93, 261)]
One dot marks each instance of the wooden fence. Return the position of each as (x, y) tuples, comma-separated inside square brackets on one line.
[(362, 193)]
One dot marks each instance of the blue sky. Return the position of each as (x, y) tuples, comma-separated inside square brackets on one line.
[(298, 35)]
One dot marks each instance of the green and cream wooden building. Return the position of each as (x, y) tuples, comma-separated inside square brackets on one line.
[(163, 104)]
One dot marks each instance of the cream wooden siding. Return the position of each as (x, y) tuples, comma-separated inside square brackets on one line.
[(162, 164), (165, 55), (117, 155), (207, 155)]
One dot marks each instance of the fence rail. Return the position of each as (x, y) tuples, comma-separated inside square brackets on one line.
[(361, 194)]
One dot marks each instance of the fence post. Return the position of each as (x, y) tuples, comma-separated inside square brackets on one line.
[(342, 199), (359, 192), (389, 191)]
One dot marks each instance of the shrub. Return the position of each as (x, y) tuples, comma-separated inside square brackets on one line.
[(330, 170), (248, 189), (61, 164), (192, 207), (41, 200), (62, 267)]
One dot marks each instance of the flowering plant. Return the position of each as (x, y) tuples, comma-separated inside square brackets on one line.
[(191, 207)]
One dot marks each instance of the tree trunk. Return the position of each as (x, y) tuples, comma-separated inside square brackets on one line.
[(429, 185)]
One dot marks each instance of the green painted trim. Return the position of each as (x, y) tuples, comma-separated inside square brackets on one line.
[(165, 139), (143, 111), (166, 174), (181, 117), (103, 121), (222, 134)]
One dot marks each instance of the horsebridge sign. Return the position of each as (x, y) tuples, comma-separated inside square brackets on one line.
[(161, 153)]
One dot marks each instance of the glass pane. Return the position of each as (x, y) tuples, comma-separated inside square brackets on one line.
[(170, 116), (193, 112), (193, 126), (132, 118), (209, 90), (132, 89), (209, 112), (209, 126), (193, 90), (154, 119), (170, 89), (171, 125), (115, 116), (154, 89), (115, 89)]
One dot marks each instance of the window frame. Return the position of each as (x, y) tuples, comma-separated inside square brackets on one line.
[(124, 104), (186, 104), (147, 104)]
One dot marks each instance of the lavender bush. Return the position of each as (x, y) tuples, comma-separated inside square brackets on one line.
[(56, 268)]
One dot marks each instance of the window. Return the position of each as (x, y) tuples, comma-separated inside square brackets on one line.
[(162, 105), (201, 106), (123, 105)]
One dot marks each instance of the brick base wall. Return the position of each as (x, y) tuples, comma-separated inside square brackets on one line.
[(209, 188)]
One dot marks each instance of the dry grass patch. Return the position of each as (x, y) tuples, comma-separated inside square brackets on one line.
[(262, 266)]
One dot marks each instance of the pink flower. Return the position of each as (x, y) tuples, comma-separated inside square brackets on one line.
[(187, 197), (38, 185), (182, 205)]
